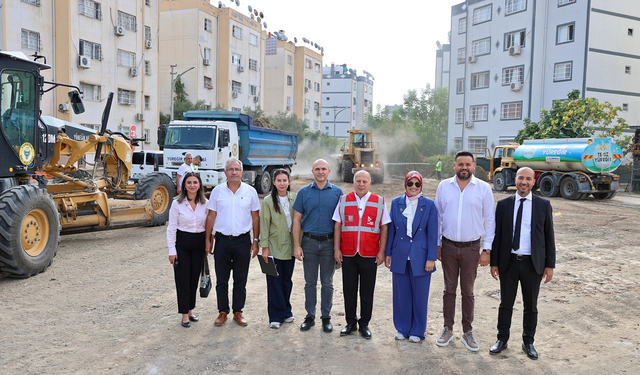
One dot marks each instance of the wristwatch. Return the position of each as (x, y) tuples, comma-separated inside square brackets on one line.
[(486, 251), (256, 239)]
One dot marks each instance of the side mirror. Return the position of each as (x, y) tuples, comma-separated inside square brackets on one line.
[(76, 102)]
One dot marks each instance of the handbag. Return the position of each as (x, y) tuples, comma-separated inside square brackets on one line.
[(205, 279)]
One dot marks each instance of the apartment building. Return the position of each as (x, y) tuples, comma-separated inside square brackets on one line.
[(513, 58), (101, 46), (443, 62), (347, 99), (224, 46)]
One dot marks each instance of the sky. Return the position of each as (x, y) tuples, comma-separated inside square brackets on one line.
[(396, 43)]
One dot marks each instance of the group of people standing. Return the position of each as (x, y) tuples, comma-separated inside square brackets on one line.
[(326, 229)]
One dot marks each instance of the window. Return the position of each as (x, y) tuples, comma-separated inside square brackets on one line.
[(564, 33), (505, 141), (32, 2), (316, 106), (253, 90), (562, 72), (457, 144), (307, 84), (289, 101), (289, 81), (460, 86), (462, 52), (30, 40), (147, 136), (253, 64), (126, 97), (515, 38), (207, 53), (236, 109), (317, 67), (126, 58), (565, 2), (482, 14), (476, 142), (459, 115), (354, 101), (289, 59), (147, 3), (478, 112), (515, 6), (462, 25), (625, 107), (316, 86), (481, 47), (236, 31), (253, 39), (630, 32), (127, 21), (307, 64), (90, 92), (235, 59), (90, 8), (208, 25), (236, 87), (147, 67), (90, 50), (480, 80), (147, 34), (627, 69), (307, 103), (147, 102), (208, 84), (511, 111), (512, 74)]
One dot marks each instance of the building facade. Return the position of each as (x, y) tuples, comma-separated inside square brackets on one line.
[(513, 58), (443, 62)]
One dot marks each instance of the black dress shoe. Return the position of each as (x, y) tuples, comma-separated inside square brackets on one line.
[(498, 347), (307, 324), (193, 318), (186, 324), (326, 325), (365, 332), (530, 350), (348, 329)]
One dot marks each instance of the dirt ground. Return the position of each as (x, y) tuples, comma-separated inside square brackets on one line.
[(107, 305)]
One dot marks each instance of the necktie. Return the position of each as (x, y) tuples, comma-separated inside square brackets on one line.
[(516, 233)]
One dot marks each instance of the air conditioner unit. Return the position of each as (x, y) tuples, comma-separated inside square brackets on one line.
[(516, 86), (119, 30), (133, 72), (306, 110), (306, 89), (63, 107), (234, 94), (84, 62), (317, 112), (468, 124), (206, 62), (256, 98), (473, 59), (139, 117), (515, 50), (240, 68), (148, 44)]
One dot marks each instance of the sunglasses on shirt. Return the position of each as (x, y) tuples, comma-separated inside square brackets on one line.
[(411, 183)]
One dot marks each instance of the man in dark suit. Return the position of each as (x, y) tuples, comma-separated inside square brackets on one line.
[(524, 252)]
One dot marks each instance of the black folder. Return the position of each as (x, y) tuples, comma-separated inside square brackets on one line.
[(268, 268)]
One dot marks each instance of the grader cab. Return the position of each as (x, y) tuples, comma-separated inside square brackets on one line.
[(359, 152)]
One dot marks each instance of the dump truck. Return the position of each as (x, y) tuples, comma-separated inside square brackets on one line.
[(359, 152), (36, 210), (218, 135), (572, 168)]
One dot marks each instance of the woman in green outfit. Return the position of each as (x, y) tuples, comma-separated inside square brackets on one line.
[(276, 240)]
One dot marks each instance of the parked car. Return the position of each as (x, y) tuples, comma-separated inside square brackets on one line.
[(145, 162)]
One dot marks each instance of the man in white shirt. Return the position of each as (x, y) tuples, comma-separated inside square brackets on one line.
[(237, 207), (184, 169), (465, 214)]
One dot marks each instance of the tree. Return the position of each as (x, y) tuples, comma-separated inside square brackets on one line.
[(575, 118)]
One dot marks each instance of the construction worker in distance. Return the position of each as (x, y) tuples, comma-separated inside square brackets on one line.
[(438, 169)]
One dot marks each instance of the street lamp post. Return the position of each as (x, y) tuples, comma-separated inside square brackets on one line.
[(173, 83), (335, 115)]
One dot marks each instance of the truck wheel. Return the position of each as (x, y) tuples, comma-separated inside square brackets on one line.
[(548, 187), (600, 195), (263, 183), (160, 190), (569, 189), (347, 175), (29, 231), (499, 182)]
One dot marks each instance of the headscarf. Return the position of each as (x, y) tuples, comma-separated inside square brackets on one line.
[(409, 176)]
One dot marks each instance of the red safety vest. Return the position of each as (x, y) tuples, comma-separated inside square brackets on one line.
[(361, 235)]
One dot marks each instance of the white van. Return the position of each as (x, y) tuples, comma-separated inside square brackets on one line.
[(145, 162)]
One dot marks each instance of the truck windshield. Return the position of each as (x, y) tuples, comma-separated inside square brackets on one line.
[(18, 107), (193, 137)]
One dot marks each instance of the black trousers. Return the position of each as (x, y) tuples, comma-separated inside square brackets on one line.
[(190, 248), (362, 270), (232, 255), (523, 272)]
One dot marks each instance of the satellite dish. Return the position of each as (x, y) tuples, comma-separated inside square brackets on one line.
[(264, 24), (464, 6), (315, 45), (305, 40), (438, 44), (258, 19), (250, 9), (261, 15), (251, 15), (220, 4), (255, 11), (295, 39), (237, 3)]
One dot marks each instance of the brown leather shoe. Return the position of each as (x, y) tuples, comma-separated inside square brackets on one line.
[(222, 317), (239, 318)]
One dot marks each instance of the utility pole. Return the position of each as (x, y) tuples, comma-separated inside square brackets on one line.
[(335, 115), (173, 83)]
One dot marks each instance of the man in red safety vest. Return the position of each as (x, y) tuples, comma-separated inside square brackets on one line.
[(359, 245)]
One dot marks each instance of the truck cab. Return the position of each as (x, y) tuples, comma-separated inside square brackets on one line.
[(497, 167)]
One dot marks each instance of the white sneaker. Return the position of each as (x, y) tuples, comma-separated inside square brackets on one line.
[(289, 319), (414, 339), (468, 341), (445, 338), (274, 325), (400, 336)]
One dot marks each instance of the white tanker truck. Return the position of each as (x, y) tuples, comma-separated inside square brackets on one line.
[(572, 168)]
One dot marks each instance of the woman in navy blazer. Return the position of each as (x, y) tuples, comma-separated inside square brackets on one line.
[(411, 256)]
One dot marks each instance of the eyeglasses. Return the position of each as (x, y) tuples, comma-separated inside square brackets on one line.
[(410, 184)]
